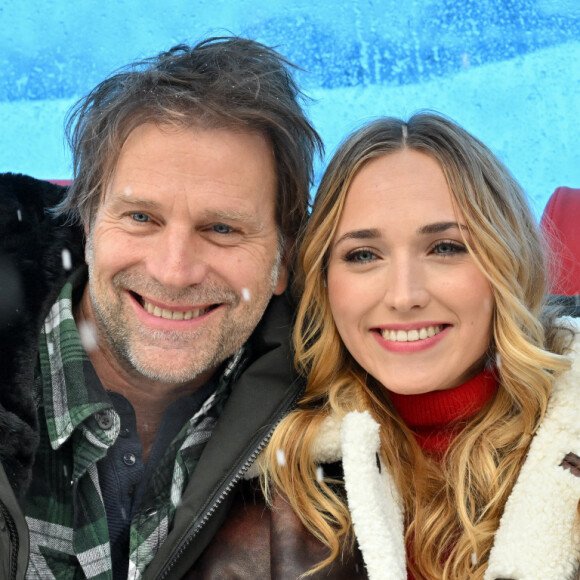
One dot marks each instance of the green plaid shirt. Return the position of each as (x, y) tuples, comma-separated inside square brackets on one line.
[(69, 537)]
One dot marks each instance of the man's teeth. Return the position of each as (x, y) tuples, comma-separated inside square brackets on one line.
[(173, 314), (411, 335)]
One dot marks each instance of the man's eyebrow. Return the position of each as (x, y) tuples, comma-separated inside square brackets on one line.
[(229, 215), (233, 215), (440, 227), (127, 199)]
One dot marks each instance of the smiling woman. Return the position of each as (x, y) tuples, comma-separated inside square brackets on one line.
[(438, 374), (401, 281)]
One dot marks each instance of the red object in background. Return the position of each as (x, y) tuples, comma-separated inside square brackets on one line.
[(61, 181), (561, 223)]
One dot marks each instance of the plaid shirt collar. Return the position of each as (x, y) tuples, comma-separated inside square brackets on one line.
[(69, 402)]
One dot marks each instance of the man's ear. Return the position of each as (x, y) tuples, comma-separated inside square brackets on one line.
[(284, 273), (86, 230), (283, 276)]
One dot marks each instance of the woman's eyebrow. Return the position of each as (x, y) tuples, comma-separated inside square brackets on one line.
[(365, 234), (372, 233), (439, 227)]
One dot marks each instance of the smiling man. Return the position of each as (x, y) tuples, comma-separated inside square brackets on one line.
[(143, 370)]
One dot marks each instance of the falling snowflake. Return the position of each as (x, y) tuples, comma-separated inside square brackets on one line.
[(88, 334), (246, 294), (281, 457), (66, 259), (319, 474)]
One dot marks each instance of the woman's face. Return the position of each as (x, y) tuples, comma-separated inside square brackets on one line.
[(408, 300)]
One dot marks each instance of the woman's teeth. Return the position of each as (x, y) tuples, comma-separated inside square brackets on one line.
[(411, 335)]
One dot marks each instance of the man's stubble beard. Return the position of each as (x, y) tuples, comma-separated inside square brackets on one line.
[(129, 346)]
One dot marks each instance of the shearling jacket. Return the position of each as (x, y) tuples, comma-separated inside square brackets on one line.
[(539, 533), (538, 537), (37, 253)]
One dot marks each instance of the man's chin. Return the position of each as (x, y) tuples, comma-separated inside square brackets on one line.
[(167, 375), (168, 368)]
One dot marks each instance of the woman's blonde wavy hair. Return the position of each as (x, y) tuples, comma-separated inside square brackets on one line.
[(453, 506)]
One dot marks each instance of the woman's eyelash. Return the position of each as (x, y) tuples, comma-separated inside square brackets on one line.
[(442, 248), (449, 247), (360, 256)]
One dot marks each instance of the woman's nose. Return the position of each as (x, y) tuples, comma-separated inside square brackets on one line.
[(406, 285)]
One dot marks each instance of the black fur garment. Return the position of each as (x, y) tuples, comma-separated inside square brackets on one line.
[(33, 270)]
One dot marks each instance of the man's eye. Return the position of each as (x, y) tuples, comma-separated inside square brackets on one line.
[(222, 229), (140, 217)]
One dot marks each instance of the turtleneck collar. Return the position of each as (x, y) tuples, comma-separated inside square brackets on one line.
[(437, 416)]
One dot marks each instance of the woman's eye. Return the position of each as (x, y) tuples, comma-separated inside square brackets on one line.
[(222, 229), (140, 217), (446, 248), (360, 256)]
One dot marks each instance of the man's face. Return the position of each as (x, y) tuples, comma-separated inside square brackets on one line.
[(183, 252)]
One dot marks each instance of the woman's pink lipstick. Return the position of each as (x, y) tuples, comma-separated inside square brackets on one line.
[(411, 338)]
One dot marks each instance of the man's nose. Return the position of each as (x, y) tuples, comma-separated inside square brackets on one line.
[(178, 259)]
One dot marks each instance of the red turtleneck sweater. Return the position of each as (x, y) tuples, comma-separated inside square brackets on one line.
[(438, 416)]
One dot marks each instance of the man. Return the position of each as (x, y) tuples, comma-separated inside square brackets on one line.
[(136, 391)]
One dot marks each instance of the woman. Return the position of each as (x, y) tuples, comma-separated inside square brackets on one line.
[(437, 373)]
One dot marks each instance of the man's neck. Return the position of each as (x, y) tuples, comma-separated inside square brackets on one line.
[(149, 399)]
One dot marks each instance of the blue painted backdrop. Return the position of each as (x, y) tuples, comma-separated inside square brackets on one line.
[(506, 69)]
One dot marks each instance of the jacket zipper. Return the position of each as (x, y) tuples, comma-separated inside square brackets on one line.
[(12, 532), (226, 489)]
